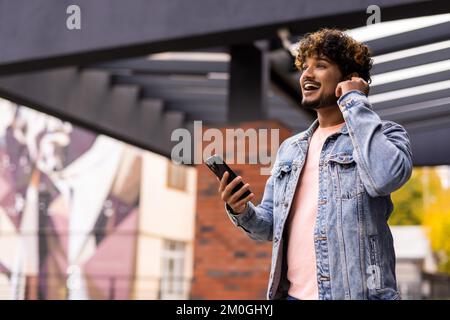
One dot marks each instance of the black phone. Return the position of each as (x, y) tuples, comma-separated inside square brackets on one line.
[(217, 165)]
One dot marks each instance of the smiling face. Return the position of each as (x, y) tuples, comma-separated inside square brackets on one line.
[(318, 82)]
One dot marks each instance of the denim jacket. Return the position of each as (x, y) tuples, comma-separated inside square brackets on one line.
[(358, 169)]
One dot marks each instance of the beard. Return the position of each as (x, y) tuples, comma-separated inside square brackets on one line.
[(322, 101)]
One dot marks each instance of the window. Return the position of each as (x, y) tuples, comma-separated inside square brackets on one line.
[(173, 280), (176, 176)]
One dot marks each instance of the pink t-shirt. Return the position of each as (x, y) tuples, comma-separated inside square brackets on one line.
[(301, 257)]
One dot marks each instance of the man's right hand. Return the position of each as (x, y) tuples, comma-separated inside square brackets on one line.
[(232, 200)]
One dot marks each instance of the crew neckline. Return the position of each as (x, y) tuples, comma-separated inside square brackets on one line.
[(332, 128)]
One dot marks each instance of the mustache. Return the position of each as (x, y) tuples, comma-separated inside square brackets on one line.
[(310, 81)]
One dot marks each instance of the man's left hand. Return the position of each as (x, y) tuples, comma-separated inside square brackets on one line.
[(354, 84)]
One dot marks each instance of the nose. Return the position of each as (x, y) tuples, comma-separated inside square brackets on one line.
[(307, 74)]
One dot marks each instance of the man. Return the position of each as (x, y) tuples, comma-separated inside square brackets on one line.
[(327, 201)]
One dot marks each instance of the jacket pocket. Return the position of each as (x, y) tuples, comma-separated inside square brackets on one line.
[(385, 294), (281, 175), (344, 171), (281, 170)]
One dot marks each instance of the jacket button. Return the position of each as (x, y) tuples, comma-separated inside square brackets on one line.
[(324, 278), (294, 168), (277, 203), (286, 204)]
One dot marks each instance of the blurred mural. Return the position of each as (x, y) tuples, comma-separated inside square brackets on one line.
[(69, 212)]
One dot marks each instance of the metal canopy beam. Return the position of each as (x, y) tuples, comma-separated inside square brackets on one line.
[(411, 82), (427, 147), (113, 29), (165, 66), (412, 99), (428, 124), (417, 112), (413, 61), (248, 85), (165, 82), (88, 99), (410, 39)]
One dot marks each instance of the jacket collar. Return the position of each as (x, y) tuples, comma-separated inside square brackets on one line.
[(305, 135)]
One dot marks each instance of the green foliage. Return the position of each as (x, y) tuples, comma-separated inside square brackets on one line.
[(424, 201), (411, 200), (437, 221)]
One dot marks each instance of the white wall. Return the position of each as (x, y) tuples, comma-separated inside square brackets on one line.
[(164, 213)]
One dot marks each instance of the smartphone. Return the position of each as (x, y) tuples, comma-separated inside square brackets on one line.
[(217, 165)]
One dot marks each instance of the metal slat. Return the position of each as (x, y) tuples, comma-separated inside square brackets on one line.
[(411, 82), (410, 39)]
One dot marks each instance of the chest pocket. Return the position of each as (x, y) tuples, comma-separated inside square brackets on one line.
[(346, 181), (281, 174)]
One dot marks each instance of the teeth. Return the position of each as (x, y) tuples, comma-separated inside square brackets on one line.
[(310, 86)]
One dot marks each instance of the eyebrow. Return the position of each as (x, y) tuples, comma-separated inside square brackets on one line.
[(324, 59)]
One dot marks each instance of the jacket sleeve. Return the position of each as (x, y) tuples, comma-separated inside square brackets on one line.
[(257, 221), (382, 150)]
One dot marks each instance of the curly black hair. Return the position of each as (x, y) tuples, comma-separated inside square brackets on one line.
[(349, 54)]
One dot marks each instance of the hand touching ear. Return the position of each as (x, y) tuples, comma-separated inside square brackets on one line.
[(354, 84)]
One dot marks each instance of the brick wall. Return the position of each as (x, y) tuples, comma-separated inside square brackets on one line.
[(227, 263)]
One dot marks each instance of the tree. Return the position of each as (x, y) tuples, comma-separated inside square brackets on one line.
[(437, 221), (413, 198)]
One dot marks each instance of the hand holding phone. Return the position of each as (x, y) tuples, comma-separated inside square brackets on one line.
[(233, 191)]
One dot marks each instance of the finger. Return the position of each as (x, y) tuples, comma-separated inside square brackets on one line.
[(235, 196), (245, 200), (227, 192), (219, 181), (359, 80), (233, 184), (223, 181)]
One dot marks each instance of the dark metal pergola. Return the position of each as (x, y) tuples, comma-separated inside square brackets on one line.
[(100, 77)]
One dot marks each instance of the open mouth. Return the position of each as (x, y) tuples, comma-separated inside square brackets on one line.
[(310, 86)]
